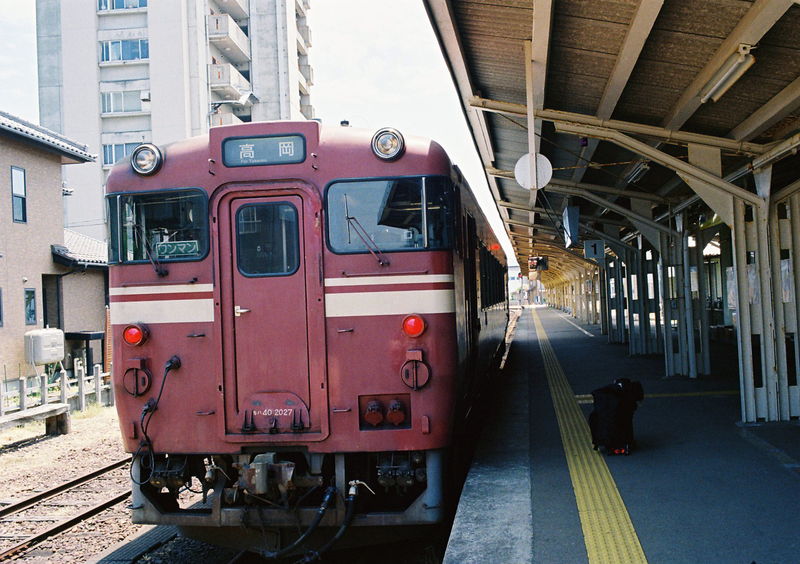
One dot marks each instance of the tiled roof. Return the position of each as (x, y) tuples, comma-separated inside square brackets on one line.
[(70, 151), (80, 249)]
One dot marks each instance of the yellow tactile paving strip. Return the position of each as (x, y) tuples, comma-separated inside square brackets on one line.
[(607, 528)]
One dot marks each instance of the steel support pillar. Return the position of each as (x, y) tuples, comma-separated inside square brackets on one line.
[(790, 282), (702, 303), (689, 354), (603, 291)]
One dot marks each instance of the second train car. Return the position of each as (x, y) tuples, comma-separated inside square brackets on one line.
[(301, 317)]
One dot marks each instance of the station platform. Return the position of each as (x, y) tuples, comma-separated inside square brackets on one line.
[(698, 487)]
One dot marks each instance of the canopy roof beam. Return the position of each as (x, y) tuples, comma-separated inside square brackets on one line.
[(662, 134), (619, 209), (660, 157), (637, 34), (781, 105), (597, 218), (759, 19), (556, 184)]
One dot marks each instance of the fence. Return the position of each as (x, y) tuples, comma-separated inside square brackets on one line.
[(77, 390)]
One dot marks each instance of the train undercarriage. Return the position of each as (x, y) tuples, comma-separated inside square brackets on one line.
[(275, 502)]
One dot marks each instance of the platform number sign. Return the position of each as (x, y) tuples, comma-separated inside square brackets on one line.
[(594, 249)]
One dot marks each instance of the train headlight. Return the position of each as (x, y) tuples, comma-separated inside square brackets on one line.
[(135, 334), (146, 159), (388, 144), (413, 325)]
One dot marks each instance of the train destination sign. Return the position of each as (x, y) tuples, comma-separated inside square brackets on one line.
[(270, 150), (167, 249)]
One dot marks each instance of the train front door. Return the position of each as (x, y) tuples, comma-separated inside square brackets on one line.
[(272, 317)]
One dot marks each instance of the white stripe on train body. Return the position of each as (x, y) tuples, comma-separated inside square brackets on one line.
[(389, 302), (389, 280), (345, 304), (163, 311), (360, 304), (175, 289)]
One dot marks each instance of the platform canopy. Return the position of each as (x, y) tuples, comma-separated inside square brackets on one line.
[(617, 94)]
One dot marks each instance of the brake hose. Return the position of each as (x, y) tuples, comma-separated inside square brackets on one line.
[(352, 496), (144, 422), (326, 500)]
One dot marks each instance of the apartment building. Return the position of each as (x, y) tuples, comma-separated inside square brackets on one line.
[(116, 73)]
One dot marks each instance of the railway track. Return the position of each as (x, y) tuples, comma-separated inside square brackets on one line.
[(60, 525)]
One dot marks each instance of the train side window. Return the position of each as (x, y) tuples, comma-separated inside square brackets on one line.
[(267, 239), (164, 226), (389, 214), (440, 216)]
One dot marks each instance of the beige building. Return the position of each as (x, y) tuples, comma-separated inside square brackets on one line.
[(48, 276), (117, 73)]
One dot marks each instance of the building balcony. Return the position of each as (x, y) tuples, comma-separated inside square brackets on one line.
[(305, 32), (228, 37), (227, 82), (308, 74), (223, 118), (302, 48), (238, 9)]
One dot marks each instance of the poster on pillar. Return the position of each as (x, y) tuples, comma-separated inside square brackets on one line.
[(730, 284), (753, 285), (787, 280)]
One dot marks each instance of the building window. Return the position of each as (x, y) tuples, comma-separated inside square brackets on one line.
[(18, 194), (30, 306), (124, 50), (120, 4), (113, 153), (114, 102)]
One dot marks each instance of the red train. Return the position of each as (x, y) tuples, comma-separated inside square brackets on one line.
[(299, 313)]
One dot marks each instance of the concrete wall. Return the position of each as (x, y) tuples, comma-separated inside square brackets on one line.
[(48, 50), (275, 70), (83, 301), (169, 71), (68, 55), (83, 306)]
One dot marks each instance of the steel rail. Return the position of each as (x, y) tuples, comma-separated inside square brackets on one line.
[(66, 486), (62, 526)]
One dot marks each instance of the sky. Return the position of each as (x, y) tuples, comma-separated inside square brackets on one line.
[(376, 63)]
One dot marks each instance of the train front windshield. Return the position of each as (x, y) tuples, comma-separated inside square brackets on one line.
[(389, 214), (158, 226)]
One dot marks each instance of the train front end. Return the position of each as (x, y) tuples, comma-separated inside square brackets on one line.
[(284, 305)]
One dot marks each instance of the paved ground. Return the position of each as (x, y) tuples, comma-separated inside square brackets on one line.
[(698, 488)]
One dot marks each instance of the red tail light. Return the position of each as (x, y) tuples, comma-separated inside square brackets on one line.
[(413, 325), (135, 335), (397, 413), (374, 414)]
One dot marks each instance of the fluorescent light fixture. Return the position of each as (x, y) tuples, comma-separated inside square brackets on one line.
[(731, 71), (637, 172)]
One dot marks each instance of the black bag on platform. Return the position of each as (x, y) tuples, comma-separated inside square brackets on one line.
[(611, 421)]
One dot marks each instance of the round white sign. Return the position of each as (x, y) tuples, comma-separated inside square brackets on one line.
[(523, 175)]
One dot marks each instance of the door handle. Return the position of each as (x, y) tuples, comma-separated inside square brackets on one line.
[(238, 311)]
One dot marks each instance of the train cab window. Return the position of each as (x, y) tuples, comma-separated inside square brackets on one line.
[(163, 226), (267, 239), (389, 214)]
